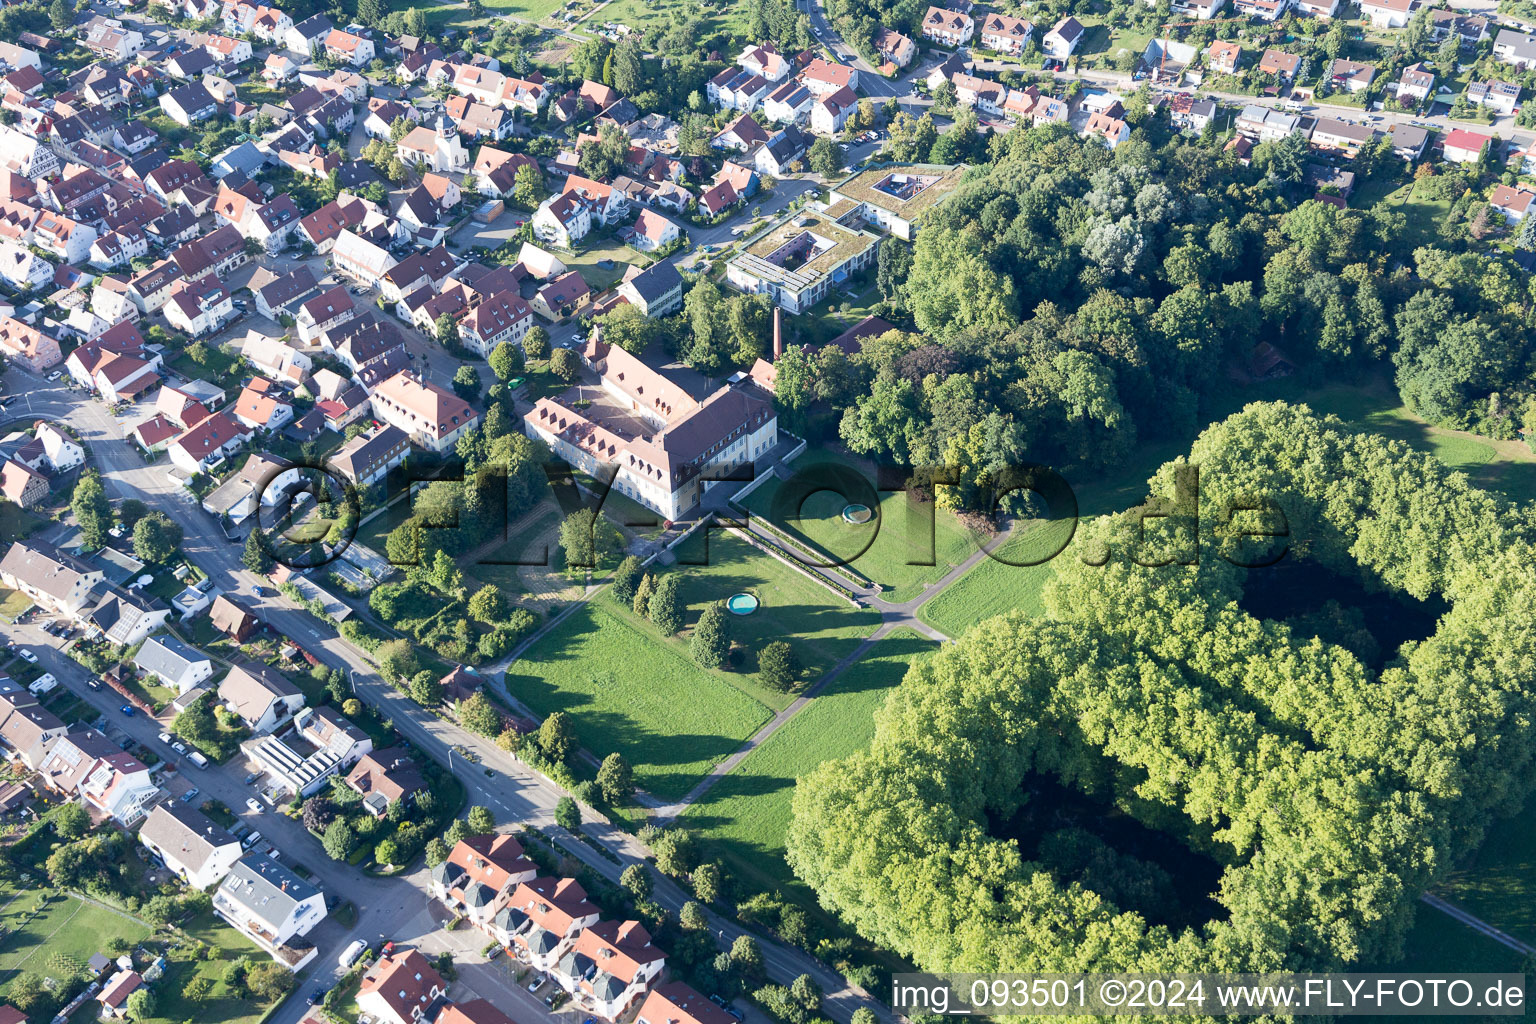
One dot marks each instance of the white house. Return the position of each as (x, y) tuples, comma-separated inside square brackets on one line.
[(260, 696), (206, 443), (608, 966), (85, 764), (1062, 38), (173, 662), (63, 454), (270, 905), (189, 843)]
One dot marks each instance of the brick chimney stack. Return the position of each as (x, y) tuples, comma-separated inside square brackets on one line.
[(778, 333)]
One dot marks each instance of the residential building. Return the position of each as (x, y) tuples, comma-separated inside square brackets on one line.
[(126, 617), (1282, 65), (401, 988), (189, 104), (361, 259), (1062, 39), (199, 307), (53, 579), (207, 443), (433, 418), (1224, 56), (83, 763), (1388, 13), (897, 199), (1416, 85), (823, 77), (543, 917), (652, 231), (479, 877), (609, 966), (1464, 147), (895, 50), (384, 777), (1500, 97), (1351, 75), (24, 345), (260, 696), (501, 317), (1006, 35), (947, 28), (271, 906), (22, 484), (189, 844), (351, 49), (173, 662), (830, 112), (368, 457), (1513, 202), (26, 727), (788, 103), (677, 1003)]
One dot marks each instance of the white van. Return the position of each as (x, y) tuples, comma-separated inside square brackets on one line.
[(351, 953), (165, 738), (198, 759)]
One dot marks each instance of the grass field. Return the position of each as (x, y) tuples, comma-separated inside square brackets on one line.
[(993, 586), (372, 532), (1498, 884), (58, 942), (627, 690), (747, 812), (13, 603), (880, 550), (719, 15), (16, 523), (228, 945), (821, 626), (617, 253), (1437, 945), (1424, 217), (1505, 466)]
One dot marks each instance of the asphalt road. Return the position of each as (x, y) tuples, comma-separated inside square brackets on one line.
[(513, 792)]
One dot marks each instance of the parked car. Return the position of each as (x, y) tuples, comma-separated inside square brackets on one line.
[(94, 684), (128, 710), (180, 748), (252, 777), (250, 840), (190, 795), (315, 996), (537, 983), (27, 656), (165, 738), (349, 955), (254, 805)]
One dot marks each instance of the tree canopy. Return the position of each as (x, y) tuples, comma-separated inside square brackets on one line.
[(1329, 794)]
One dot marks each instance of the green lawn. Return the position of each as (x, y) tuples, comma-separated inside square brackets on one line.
[(16, 523), (1505, 466), (1438, 945), (1424, 217), (627, 690), (992, 588), (172, 1007), (748, 811), (719, 15), (880, 550), (372, 532), (13, 603), (599, 278), (533, 10), (499, 566), (822, 627), (1499, 884), (58, 942)]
